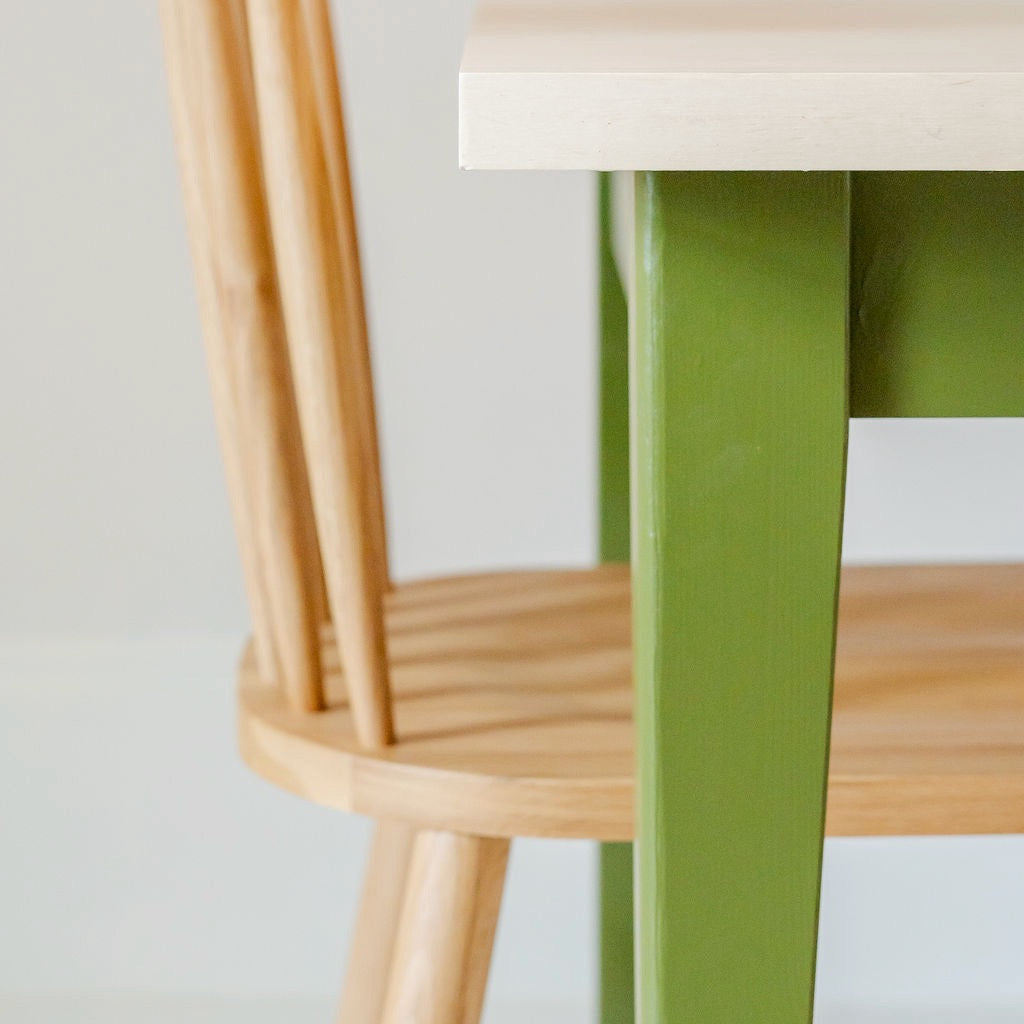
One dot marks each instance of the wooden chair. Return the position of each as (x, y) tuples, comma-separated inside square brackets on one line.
[(465, 711), (509, 693)]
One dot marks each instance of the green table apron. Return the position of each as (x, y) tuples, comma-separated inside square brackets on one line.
[(767, 308)]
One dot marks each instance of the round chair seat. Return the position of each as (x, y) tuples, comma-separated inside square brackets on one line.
[(513, 708)]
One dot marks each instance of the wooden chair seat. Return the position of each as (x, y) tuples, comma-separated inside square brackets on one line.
[(512, 705), (513, 702)]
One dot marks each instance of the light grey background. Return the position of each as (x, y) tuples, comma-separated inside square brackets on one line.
[(136, 856)]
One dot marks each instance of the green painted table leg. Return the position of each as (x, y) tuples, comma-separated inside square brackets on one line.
[(617, 992), (616, 864), (739, 404)]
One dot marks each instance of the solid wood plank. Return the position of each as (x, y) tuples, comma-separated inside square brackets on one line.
[(743, 86), (739, 403), (312, 270), (449, 916), (211, 90), (616, 860), (937, 308), (513, 695), (369, 962)]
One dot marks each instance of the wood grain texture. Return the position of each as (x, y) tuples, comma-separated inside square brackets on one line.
[(449, 916), (354, 337), (743, 86), (513, 697), (929, 702), (214, 113), (373, 942), (937, 308), (512, 700), (177, 52), (314, 265), (738, 398)]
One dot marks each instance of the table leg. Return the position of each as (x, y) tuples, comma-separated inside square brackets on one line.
[(616, 859), (739, 404)]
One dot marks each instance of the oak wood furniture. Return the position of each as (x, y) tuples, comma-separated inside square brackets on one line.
[(766, 305), (465, 711)]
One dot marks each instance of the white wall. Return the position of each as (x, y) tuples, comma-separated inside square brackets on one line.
[(135, 854), (479, 291)]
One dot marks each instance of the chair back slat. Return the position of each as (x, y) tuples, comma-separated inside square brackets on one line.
[(215, 125), (327, 86), (318, 275)]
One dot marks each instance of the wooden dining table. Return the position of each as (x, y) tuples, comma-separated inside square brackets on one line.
[(810, 212)]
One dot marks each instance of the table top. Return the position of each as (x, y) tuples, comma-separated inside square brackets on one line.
[(626, 85)]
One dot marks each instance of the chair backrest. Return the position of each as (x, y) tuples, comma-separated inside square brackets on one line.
[(258, 122)]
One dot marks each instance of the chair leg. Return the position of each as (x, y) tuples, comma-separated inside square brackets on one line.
[(362, 997), (446, 934)]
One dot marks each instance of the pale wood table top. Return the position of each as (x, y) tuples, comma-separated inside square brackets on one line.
[(621, 85)]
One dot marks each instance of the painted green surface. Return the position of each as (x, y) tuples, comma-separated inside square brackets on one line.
[(613, 478), (616, 929), (616, 859), (937, 292), (738, 386)]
